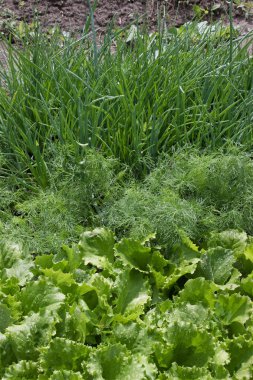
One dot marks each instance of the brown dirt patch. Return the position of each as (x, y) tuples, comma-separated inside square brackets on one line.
[(71, 15)]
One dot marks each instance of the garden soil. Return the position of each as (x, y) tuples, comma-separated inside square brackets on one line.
[(71, 15)]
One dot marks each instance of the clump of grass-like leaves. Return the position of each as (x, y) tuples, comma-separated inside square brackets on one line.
[(132, 101)]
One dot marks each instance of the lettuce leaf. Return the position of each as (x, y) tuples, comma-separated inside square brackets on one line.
[(216, 265), (63, 354), (34, 331), (134, 253), (5, 317), (39, 295), (23, 370), (97, 247), (234, 308), (132, 295), (123, 311)]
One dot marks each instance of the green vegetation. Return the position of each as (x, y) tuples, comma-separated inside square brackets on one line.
[(45, 219), (147, 137), (198, 193), (100, 310), (153, 94)]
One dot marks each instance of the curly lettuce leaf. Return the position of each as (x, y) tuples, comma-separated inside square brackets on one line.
[(97, 247), (186, 345), (247, 284), (66, 375), (74, 322), (240, 349), (233, 308), (100, 310), (106, 362), (134, 253), (185, 268), (231, 239), (115, 362), (5, 317), (248, 252), (182, 373), (138, 367), (14, 263), (216, 265), (185, 249), (22, 370), (63, 354), (199, 290), (133, 294), (9, 254), (39, 295), (185, 312), (25, 339), (59, 278)]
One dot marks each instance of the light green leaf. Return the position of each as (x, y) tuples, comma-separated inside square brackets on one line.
[(185, 268), (196, 314), (66, 375), (106, 362), (68, 258), (232, 239), (133, 294), (60, 279), (97, 247), (158, 262), (5, 317), (21, 270), (134, 253), (7, 356), (221, 357), (248, 252), (190, 373), (159, 267), (186, 344), (164, 354), (63, 354), (75, 323), (138, 368), (233, 282), (82, 289), (23, 370), (241, 354), (247, 284), (233, 308), (34, 331), (9, 286), (128, 335), (159, 278), (216, 265), (14, 306), (104, 288), (9, 254), (44, 261), (41, 294), (185, 249), (246, 371), (114, 362), (199, 290), (14, 263)]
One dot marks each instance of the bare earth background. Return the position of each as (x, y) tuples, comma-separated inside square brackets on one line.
[(71, 14)]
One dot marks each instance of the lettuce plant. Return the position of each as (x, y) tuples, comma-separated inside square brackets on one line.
[(102, 309)]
